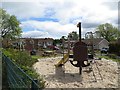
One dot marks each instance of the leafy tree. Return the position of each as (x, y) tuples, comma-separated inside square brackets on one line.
[(9, 25), (56, 41), (73, 35), (108, 31)]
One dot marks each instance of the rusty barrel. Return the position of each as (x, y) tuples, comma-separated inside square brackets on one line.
[(80, 54)]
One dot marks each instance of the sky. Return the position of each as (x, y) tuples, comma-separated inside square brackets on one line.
[(57, 18)]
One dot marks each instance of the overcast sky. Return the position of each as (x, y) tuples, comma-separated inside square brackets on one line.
[(57, 18)]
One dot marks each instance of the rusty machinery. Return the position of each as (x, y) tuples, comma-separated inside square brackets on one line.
[(80, 53)]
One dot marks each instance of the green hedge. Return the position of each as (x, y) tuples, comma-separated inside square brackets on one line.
[(114, 48), (20, 57), (24, 61)]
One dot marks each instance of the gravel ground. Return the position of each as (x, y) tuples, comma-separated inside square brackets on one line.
[(71, 78)]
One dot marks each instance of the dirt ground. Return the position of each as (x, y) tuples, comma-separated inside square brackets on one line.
[(55, 78)]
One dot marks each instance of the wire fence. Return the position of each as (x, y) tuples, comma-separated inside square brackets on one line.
[(17, 78)]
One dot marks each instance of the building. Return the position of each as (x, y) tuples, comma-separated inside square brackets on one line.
[(98, 43), (32, 43)]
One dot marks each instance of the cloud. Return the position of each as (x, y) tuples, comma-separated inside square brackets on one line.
[(63, 10), (90, 25), (54, 29), (24, 9), (35, 34), (111, 5), (67, 13)]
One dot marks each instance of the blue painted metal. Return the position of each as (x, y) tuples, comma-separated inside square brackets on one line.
[(17, 78)]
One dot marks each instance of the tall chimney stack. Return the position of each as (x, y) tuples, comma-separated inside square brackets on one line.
[(79, 26)]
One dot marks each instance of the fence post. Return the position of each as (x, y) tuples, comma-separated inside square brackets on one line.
[(33, 86)]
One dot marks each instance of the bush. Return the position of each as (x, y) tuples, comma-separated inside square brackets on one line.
[(113, 56), (114, 48), (25, 61), (21, 58)]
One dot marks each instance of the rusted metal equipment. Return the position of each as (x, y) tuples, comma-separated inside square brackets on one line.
[(80, 54), (79, 58)]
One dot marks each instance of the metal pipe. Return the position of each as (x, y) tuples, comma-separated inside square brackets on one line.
[(79, 26)]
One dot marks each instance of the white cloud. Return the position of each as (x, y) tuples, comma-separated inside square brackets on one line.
[(69, 12), (57, 0), (52, 28), (65, 10), (36, 34), (25, 10)]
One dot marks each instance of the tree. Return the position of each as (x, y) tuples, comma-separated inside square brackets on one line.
[(9, 25), (108, 31), (56, 41), (73, 35)]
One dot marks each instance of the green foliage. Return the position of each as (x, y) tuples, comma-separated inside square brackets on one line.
[(73, 35), (22, 58), (9, 25), (57, 41), (25, 61), (112, 57), (114, 48), (36, 57), (108, 31)]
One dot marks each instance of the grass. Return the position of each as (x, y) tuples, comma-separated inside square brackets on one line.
[(110, 58), (36, 57)]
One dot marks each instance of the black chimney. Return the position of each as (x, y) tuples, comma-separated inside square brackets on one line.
[(79, 25)]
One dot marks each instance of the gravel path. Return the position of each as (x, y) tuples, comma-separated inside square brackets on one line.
[(72, 79)]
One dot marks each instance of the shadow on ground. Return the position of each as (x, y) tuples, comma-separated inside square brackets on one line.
[(65, 78), (69, 77)]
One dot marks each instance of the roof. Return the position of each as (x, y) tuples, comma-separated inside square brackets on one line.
[(96, 41), (38, 38)]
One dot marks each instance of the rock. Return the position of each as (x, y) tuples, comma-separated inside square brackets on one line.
[(76, 85)]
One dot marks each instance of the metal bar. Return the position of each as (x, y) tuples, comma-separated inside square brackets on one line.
[(12, 70), (13, 73), (16, 76), (23, 72), (12, 79), (80, 70), (33, 86), (79, 25)]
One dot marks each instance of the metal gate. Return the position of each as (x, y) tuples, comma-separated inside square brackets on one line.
[(17, 78)]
